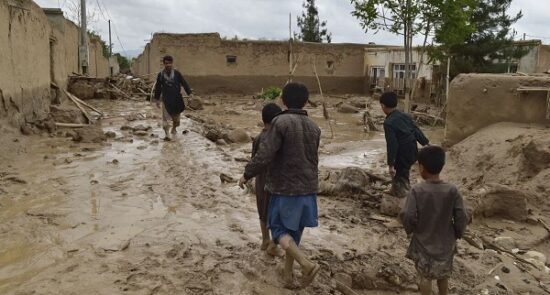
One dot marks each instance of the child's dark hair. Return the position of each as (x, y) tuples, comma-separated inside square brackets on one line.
[(295, 95), (167, 58), (270, 111), (432, 158), (389, 99)]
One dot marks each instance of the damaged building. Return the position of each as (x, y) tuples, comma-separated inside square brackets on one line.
[(39, 49)]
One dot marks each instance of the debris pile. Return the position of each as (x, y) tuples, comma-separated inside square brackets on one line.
[(120, 86)]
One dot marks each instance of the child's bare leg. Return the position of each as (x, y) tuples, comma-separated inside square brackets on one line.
[(265, 235), (309, 268), (443, 286), (425, 286)]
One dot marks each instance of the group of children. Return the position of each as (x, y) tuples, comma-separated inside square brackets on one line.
[(285, 165)]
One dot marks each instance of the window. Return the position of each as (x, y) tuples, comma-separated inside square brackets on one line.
[(330, 64), (231, 59)]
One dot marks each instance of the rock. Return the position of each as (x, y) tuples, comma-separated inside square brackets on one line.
[(110, 134), (347, 109), (195, 103), (213, 134), (141, 133), (125, 127), (502, 201), (238, 136), (224, 178), (359, 102), (141, 128), (390, 205), (92, 134), (507, 243), (82, 89), (27, 130), (352, 180), (536, 256), (221, 142), (505, 269)]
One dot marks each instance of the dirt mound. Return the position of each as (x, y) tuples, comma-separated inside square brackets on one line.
[(512, 159), (67, 114)]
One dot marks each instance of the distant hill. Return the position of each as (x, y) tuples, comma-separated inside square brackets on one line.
[(131, 53)]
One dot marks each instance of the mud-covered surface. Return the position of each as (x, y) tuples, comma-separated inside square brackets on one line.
[(127, 213)]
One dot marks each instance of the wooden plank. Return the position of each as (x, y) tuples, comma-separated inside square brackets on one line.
[(70, 125), (71, 97), (548, 105), (525, 88), (87, 105)]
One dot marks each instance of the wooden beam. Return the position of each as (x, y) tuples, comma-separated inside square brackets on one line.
[(70, 125), (71, 97)]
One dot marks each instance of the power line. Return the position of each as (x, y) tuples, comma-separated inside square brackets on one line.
[(112, 23)]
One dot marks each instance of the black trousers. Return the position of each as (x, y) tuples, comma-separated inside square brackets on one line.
[(406, 157)]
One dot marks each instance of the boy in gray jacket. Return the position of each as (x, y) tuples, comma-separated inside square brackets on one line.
[(290, 153)]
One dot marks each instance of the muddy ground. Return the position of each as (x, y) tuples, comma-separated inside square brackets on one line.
[(131, 214)]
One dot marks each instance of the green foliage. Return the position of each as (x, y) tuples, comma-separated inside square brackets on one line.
[(311, 28), (271, 93), (123, 62), (488, 39), (104, 46)]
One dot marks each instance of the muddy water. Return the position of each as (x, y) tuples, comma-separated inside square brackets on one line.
[(141, 216)]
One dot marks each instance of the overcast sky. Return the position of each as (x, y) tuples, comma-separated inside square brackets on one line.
[(135, 20)]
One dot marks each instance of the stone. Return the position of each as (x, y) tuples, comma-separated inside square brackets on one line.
[(141, 133), (537, 256), (26, 130), (82, 89), (141, 128), (347, 109), (359, 102), (507, 243), (125, 127), (352, 180), (390, 205), (91, 134), (224, 178), (110, 134), (238, 136), (195, 103), (221, 142), (213, 134)]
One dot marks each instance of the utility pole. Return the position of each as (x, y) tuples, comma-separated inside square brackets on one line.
[(83, 38), (110, 50), (110, 43)]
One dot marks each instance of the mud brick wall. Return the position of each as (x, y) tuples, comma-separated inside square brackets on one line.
[(479, 100), (203, 59), (24, 63)]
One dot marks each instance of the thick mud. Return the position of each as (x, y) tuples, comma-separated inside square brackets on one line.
[(136, 215)]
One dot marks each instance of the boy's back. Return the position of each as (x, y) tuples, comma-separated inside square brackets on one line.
[(435, 215), (403, 128), (294, 140)]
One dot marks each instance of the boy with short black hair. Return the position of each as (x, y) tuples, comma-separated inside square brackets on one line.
[(435, 215), (269, 112), (401, 136), (290, 151), (169, 84)]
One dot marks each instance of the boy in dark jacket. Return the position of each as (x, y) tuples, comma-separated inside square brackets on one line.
[(290, 153), (269, 112), (401, 136), (169, 83), (435, 215)]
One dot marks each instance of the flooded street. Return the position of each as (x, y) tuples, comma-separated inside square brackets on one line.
[(136, 215), (139, 215)]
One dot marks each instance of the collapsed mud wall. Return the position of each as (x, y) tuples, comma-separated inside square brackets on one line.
[(212, 64), (25, 72), (479, 100)]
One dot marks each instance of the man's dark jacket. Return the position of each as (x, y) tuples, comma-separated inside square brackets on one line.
[(171, 92)]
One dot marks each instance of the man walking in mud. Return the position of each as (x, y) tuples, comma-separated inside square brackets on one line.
[(168, 85)]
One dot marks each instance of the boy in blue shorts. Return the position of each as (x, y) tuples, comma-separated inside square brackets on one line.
[(290, 153)]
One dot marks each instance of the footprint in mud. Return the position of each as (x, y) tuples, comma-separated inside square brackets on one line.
[(236, 228)]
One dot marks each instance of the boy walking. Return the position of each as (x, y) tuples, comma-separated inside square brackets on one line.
[(290, 153), (169, 83), (401, 136), (435, 216), (270, 111)]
